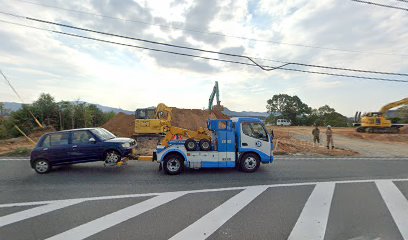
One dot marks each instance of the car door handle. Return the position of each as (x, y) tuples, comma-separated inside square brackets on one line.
[(244, 144), (74, 146), (45, 149)]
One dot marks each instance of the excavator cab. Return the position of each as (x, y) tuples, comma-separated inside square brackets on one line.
[(145, 113)]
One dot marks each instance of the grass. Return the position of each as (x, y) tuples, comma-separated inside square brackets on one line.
[(19, 152)]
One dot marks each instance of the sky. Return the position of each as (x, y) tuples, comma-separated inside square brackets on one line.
[(343, 34)]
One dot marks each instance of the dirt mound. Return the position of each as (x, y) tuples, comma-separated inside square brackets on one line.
[(404, 130), (193, 119), (122, 125)]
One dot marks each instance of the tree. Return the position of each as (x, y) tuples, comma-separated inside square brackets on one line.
[(290, 107), (326, 115), (3, 110), (46, 109)]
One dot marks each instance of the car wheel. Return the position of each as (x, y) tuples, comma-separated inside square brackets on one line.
[(249, 163), (190, 144), (205, 145), (173, 164), (42, 166), (112, 157)]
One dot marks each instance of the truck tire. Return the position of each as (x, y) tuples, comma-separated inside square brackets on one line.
[(190, 144), (205, 145), (249, 162), (173, 164)]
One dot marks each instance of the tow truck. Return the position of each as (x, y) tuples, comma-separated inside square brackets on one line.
[(241, 143)]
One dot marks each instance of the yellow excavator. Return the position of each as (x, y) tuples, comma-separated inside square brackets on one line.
[(156, 123), (376, 122)]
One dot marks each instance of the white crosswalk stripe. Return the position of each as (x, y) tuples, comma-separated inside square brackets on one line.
[(311, 223), (19, 216), (397, 204), (102, 223), (208, 224)]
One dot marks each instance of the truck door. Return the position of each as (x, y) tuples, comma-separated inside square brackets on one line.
[(254, 137)]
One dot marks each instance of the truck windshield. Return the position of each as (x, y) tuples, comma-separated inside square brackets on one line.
[(255, 130), (102, 133)]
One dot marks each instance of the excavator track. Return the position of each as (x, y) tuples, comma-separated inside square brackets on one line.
[(380, 130)]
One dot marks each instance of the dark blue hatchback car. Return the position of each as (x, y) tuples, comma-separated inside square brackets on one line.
[(79, 146)]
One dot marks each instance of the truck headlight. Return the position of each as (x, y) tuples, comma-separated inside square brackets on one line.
[(126, 145)]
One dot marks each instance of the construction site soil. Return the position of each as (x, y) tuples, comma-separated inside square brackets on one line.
[(123, 124), (288, 140)]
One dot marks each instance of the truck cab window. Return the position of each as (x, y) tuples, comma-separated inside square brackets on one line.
[(255, 130)]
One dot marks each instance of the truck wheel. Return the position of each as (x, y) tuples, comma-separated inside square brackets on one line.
[(249, 163), (205, 145), (173, 164), (190, 144), (42, 166)]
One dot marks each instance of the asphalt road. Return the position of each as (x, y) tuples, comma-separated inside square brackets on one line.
[(289, 199)]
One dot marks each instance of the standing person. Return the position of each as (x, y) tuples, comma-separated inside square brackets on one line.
[(329, 135), (316, 135)]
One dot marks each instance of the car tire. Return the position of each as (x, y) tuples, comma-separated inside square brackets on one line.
[(205, 145), (112, 157), (42, 166), (190, 144), (249, 162), (173, 164)]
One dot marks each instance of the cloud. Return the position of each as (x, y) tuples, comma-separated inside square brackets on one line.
[(69, 68)]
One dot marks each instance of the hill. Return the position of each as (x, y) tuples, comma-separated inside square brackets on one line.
[(13, 106)]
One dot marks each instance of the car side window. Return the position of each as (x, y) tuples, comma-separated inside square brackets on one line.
[(81, 137), (58, 139)]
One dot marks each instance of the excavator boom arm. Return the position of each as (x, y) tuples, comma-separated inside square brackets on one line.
[(389, 106), (215, 93)]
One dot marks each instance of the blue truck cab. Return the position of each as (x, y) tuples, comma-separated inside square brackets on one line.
[(241, 143)]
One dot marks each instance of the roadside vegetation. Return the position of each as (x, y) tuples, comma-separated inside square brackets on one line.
[(292, 108), (57, 115)]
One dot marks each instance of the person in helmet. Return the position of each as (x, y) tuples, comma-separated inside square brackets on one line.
[(329, 137)]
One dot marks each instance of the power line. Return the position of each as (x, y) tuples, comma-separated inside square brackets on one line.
[(381, 5), (207, 58), (207, 32), (11, 86), (209, 51), (202, 50), (406, 1)]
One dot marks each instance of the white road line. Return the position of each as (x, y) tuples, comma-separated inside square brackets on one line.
[(209, 223), (397, 205), (345, 159), (14, 159), (33, 212), (110, 220), (189, 191), (312, 222)]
